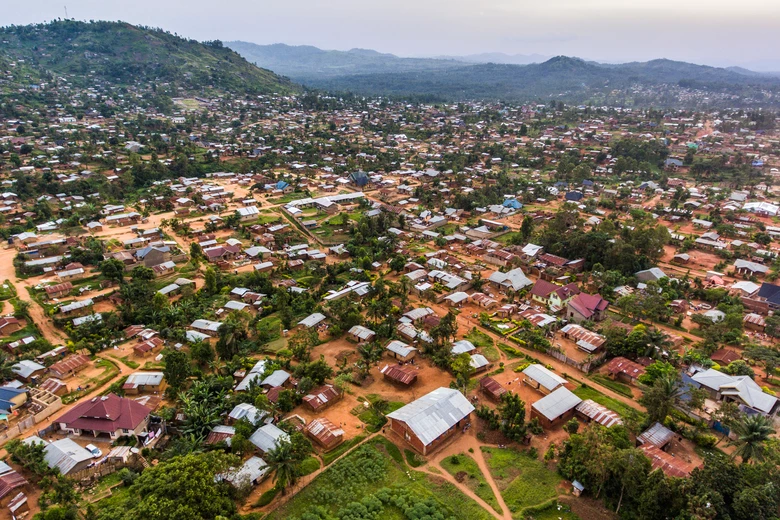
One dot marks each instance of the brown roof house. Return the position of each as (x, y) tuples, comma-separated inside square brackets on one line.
[(399, 374), (69, 366), (624, 369), (324, 433), (492, 388), (322, 397), (108, 416), (432, 419), (9, 325)]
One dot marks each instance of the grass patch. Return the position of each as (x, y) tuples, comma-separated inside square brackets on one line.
[(474, 479), (615, 386), (369, 416), (413, 459), (586, 392), (510, 351), (372, 474), (127, 361), (552, 511), (491, 353), (341, 449), (110, 370), (7, 290), (479, 338), (523, 481), (309, 465)]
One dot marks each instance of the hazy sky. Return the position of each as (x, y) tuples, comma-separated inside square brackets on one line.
[(716, 32)]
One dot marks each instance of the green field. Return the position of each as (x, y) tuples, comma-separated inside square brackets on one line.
[(615, 386), (586, 392), (375, 478), (523, 481), (474, 478)]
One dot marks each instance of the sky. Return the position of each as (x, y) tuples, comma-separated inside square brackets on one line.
[(712, 32)]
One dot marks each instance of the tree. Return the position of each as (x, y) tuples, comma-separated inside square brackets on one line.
[(177, 369), (183, 487), (462, 369), (660, 398), (397, 263), (231, 333), (211, 281), (512, 413), (202, 352), (301, 343), (284, 462), (752, 433), (113, 269), (370, 354), (527, 227)]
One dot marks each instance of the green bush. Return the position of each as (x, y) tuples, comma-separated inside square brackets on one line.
[(267, 497)]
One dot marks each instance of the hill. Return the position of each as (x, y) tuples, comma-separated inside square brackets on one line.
[(310, 64), (117, 53), (658, 82)]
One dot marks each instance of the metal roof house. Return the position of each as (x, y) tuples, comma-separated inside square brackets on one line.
[(400, 350), (555, 408), (538, 377), (430, 420), (268, 437)]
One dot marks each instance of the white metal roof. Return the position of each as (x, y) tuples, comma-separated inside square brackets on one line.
[(433, 414), (544, 377), (556, 404)]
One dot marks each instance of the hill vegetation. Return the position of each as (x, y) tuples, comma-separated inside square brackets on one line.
[(85, 54), (657, 82)]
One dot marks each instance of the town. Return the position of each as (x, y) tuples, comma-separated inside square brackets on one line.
[(326, 307)]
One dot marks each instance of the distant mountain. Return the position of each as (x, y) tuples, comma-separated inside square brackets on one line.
[(657, 82), (499, 76), (498, 57), (306, 63), (123, 54)]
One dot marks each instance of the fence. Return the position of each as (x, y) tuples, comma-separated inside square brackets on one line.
[(95, 472), (583, 366)]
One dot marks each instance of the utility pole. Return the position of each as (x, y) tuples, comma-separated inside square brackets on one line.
[(66, 12)]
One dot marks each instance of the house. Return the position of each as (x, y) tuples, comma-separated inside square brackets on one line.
[(324, 433), (462, 346), (246, 411), (77, 307), (64, 454), (28, 370), (255, 376), (399, 374), (538, 377), (268, 437), (725, 356), (321, 397), (514, 280), (139, 382), (748, 268), (591, 411), (9, 325), (624, 369), (69, 366), (671, 466), (553, 296), (739, 389), (277, 379), (108, 416), (555, 408), (658, 435), (251, 472), (206, 326), (653, 274), (58, 291), (312, 320), (400, 350), (145, 347), (586, 340), (586, 307), (361, 334), (492, 388), (153, 255), (10, 482), (429, 421), (11, 399)]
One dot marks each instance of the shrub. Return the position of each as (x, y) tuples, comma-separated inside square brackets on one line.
[(267, 497)]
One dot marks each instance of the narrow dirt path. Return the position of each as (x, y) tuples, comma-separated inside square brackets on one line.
[(462, 445)]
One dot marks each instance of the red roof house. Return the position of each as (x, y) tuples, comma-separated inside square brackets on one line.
[(110, 415), (586, 306)]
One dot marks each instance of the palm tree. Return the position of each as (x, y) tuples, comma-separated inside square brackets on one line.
[(664, 395), (284, 463), (752, 432)]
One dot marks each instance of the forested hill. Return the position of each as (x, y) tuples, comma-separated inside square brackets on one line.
[(117, 53), (657, 82)]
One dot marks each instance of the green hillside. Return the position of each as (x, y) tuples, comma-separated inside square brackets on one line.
[(117, 53)]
